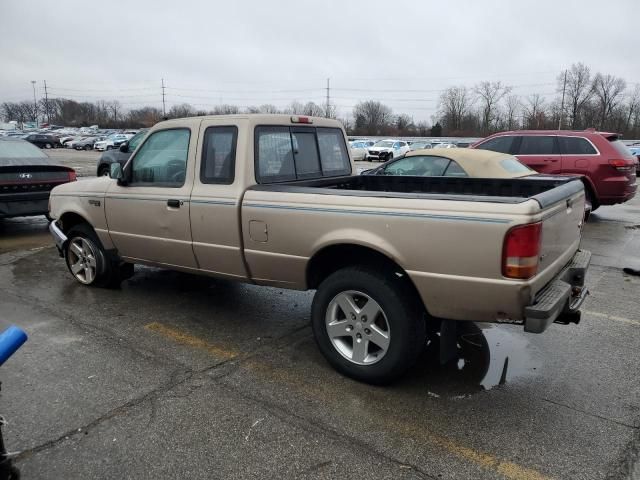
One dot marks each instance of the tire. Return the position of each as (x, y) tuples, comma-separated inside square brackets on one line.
[(390, 343), (47, 146), (108, 147), (87, 260), (87, 147), (103, 171)]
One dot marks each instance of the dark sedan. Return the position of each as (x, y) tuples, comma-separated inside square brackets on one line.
[(120, 155), (44, 140), (27, 176)]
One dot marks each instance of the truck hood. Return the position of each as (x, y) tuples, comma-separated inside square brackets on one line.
[(94, 186)]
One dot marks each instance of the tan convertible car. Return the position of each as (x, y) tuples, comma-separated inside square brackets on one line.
[(454, 162)]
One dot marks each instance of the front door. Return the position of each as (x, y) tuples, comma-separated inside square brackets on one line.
[(148, 217)]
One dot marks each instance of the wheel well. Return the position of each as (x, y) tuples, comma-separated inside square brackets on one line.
[(590, 191), (333, 258), (103, 166), (71, 219)]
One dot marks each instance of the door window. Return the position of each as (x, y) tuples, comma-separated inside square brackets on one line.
[(219, 155), (538, 145), (162, 159)]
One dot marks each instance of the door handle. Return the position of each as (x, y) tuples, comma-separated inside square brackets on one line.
[(549, 160), (173, 203)]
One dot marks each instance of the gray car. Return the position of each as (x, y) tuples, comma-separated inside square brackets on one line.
[(120, 155)]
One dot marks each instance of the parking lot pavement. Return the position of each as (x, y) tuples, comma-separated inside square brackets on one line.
[(83, 162), (178, 376)]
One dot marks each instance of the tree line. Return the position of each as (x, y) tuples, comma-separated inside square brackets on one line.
[(582, 100)]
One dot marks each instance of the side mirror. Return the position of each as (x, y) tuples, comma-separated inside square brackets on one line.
[(124, 147), (115, 171)]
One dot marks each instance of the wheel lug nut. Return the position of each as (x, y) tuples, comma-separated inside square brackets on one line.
[(367, 331), (353, 316), (349, 328), (358, 336), (363, 318)]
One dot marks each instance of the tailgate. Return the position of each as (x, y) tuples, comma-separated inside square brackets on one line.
[(561, 230)]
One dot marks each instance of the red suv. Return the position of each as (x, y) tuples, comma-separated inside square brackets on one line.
[(608, 166)]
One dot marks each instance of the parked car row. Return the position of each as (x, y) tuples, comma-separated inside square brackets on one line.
[(388, 149)]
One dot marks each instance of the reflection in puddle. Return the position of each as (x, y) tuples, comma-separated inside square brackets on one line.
[(487, 356)]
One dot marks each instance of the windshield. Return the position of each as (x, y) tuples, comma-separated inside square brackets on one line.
[(20, 150), (385, 144)]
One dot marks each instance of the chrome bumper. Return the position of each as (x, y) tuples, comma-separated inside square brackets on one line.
[(58, 236), (560, 301)]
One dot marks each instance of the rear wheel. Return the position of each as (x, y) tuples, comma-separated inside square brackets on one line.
[(87, 260), (88, 147), (103, 171), (47, 145), (367, 324)]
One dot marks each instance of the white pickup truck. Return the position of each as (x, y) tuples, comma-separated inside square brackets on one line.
[(272, 200)]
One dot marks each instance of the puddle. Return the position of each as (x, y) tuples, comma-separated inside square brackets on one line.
[(487, 356)]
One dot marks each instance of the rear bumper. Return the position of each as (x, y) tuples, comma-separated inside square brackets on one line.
[(24, 204), (561, 299)]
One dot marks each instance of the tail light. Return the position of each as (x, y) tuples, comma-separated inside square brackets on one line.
[(300, 119), (72, 176), (622, 165), (521, 251)]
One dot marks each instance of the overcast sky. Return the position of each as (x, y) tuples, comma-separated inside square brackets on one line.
[(253, 52)]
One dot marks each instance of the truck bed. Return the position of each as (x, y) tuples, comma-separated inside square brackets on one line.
[(546, 190)]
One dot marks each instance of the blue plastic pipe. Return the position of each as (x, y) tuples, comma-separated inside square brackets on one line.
[(10, 341)]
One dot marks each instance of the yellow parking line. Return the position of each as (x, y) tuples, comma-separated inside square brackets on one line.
[(612, 317), (191, 341), (508, 470)]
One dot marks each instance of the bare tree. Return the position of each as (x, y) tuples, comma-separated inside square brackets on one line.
[(534, 111), (454, 105), (225, 109), (489, 94), (513, 105), (608, 90), (578, 92), (268, 108), (633, 108), (180, 111), (404, 124), (372, 117)]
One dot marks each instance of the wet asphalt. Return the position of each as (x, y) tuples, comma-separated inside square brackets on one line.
[(179, 376)]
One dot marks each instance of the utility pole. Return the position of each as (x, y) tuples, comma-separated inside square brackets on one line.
[(564, 88), (327, 112), (164, 112), (35, 104), (46, 102)]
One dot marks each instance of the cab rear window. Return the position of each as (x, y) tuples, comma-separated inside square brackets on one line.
[(284, 154)]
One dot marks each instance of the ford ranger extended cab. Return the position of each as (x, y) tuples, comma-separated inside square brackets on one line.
[(272, 200)]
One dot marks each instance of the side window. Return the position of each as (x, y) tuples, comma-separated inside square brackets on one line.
[(274, 154), (455, 170), (537, 145), (219, 155), (418, 166), (333, 152), (576, 146), (162, 159), (498, 144)]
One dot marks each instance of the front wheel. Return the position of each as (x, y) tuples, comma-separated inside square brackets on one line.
[(367, 324), (88, 147), (47, 146), (87, 260)]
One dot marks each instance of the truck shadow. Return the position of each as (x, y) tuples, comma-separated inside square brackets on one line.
[(486, 356)]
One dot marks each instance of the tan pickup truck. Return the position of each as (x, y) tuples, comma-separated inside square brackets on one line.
[(271, 200)]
